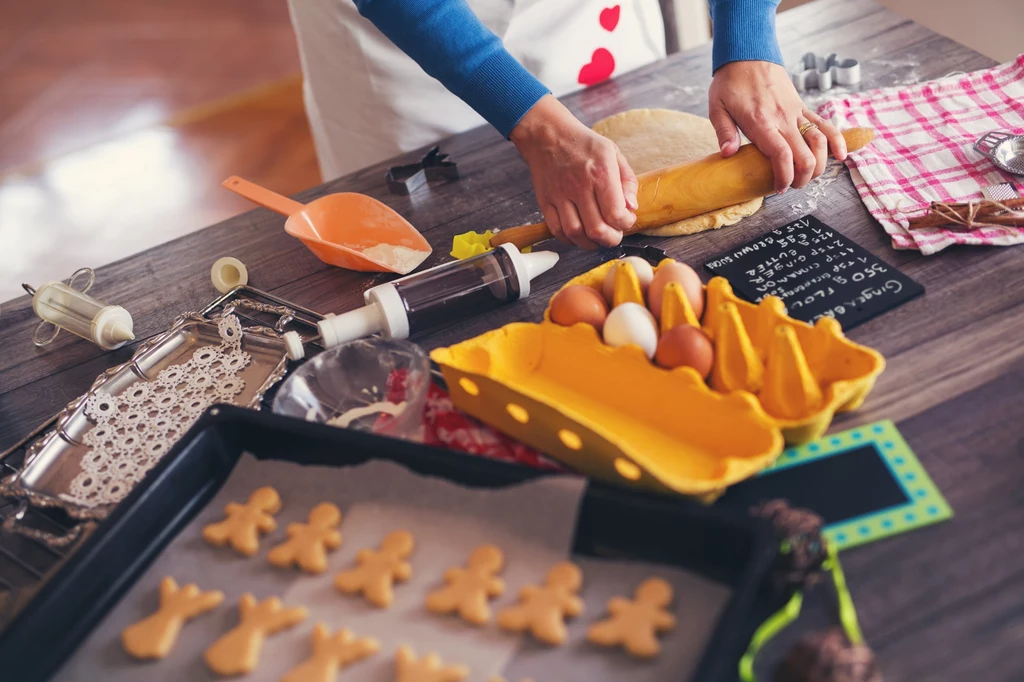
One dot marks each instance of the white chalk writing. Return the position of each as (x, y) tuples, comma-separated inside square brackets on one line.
[(808, 265)]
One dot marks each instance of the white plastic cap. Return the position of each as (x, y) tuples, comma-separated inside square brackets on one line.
[(355, 324), (293, 344), (112, 328), (228, 273), (529, 265)]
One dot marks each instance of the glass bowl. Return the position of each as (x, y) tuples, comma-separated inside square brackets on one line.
[(374, 384)]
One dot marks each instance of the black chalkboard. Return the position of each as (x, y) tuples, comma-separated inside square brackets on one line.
[(816, 272), (838, 488)]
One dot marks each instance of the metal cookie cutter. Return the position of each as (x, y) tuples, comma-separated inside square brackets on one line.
[(822, 73), (434, 166), (1004, 149), (652, 254)]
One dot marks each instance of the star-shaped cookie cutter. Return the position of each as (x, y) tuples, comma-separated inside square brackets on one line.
[(822, 73), (434, 166)]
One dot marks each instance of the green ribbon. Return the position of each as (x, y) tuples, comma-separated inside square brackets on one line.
[(775, 624), (847, 612), (779, 620)]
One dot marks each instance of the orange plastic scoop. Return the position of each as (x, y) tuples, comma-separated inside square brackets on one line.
[(345, 229)]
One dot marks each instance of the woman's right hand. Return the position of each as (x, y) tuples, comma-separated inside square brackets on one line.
[(584, 186)]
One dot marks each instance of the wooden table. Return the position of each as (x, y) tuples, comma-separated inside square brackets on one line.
[(936, 604)]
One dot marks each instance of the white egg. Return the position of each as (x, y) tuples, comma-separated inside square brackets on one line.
[(644, 273), (632, 324)]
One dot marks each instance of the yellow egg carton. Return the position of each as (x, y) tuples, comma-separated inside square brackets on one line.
[(608, 412), (613, 414), (800, 374)]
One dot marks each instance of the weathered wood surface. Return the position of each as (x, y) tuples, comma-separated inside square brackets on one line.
[(943, 603)]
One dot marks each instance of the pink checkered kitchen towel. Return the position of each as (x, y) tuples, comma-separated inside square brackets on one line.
[(923, 150)]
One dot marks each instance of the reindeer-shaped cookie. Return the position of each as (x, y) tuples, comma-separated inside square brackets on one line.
[(244, 523), (634, 624), (427, 669), (155, 635), (377, 570), (238, 650), (307, 543), (542, 609), (331, 653), (467, 590)]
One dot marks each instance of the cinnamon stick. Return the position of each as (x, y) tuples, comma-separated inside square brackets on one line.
[(968, 215)]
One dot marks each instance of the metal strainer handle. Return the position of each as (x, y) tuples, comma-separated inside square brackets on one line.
[(987, 143)]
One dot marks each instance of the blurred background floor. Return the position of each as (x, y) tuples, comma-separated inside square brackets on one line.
[(120, 118)]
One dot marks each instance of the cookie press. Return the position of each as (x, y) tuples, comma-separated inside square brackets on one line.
[(66, 305)]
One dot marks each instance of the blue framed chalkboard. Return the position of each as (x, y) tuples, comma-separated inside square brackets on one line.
[(866, 483)]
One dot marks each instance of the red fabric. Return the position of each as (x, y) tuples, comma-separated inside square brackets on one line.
[(445, 426)]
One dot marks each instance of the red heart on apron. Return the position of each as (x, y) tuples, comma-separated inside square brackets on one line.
[(610, 17), (600, 68)]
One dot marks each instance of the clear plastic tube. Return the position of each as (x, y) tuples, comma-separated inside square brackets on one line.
[(439, 296), (108, 326), (460, 290)]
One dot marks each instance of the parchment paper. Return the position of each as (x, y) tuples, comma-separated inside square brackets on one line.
[(533, 523), (698, 604)]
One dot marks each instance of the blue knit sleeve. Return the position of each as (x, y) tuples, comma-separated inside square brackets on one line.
[(450, 43), (744, 30)]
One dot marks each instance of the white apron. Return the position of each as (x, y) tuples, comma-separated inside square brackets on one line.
[(367, 101)]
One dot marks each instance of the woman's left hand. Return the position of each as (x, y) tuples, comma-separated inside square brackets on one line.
[(759, 99)]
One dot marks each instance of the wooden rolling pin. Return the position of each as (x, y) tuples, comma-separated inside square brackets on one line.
[(689, 189)]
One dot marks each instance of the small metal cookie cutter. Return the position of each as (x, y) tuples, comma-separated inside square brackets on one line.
[(652, 254), (821, 73), (1004, 149), (434, 166)]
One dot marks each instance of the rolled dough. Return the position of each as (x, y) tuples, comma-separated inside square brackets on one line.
[(655, 138)]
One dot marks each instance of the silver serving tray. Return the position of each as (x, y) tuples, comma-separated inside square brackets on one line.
[(53, 461)]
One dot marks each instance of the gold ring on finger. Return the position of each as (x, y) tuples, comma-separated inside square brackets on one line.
[(807, 126)]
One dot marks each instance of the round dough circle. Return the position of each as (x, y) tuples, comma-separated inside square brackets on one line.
[(655, 138)]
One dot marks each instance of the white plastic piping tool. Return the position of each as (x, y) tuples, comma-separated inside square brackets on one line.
[(63, 306), (446, 293)]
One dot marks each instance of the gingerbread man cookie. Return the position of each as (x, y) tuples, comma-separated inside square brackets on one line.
[(376, 571), (244, 523), (468, 590), (238, 650), (542, 609), (427, 669), (155, 635), (331, 654), (307, 543), (634, 624)]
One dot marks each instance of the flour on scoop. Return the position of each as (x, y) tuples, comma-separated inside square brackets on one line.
[(401, 259)]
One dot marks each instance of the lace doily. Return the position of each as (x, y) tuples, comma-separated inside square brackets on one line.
[(134, 429)]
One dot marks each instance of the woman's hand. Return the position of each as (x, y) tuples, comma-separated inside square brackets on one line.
[(584, 187), (759, 99)]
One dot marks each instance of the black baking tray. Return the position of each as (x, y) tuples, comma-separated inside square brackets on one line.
[(615, 523)]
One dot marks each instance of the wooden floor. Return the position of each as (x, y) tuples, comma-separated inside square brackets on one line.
[(119, 120)]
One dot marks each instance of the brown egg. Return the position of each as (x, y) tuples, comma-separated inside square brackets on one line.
[(685, 346), (579, 303), (687, 278)]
